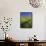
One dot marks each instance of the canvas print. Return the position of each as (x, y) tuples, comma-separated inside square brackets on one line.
[(25, 19)]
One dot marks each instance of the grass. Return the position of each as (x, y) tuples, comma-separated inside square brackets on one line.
[(26, 22)]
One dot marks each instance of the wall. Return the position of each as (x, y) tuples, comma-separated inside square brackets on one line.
[(12, 8)]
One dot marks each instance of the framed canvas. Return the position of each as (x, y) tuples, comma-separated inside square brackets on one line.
[(25, 19)]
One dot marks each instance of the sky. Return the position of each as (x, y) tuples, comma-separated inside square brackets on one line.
[(26, 14)]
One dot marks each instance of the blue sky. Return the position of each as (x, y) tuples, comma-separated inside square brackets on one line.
[(25, 13)]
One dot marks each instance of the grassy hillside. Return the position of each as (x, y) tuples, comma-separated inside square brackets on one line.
[(26, 22)]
